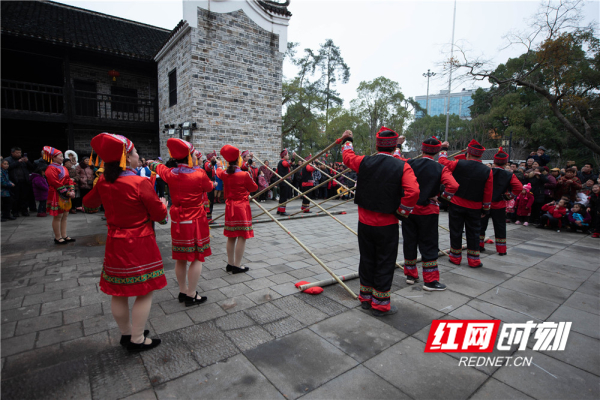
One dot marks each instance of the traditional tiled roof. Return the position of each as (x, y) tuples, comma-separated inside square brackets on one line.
[(76, 27), (275, 7)]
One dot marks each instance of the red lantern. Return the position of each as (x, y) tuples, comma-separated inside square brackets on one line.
[(114, 75)]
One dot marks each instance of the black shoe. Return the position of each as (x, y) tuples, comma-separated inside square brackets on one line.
[(69, 239), (182, 297), (60, 241), (25, 214), (481, 249), (238, 270), (365, 305), (139, 347), (501, 254), (284, 214), (194, 301), (125, 339), (229, 268), (435, 285), (376, 313), (411, 280)]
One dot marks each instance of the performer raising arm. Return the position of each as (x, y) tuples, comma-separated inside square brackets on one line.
[(189, 228), (472, 200), (421, 226), (237, 185), (133, 265), (386, 190)]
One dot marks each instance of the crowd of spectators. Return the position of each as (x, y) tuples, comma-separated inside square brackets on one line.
[(557, 198)]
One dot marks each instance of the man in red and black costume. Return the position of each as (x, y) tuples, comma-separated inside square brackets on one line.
[(210, 166), (421, 227), (308, 182), (506, 185), (386, 191), (284, 167), (472, 200)]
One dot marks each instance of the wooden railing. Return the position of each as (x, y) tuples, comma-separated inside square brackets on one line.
[(34, 97)]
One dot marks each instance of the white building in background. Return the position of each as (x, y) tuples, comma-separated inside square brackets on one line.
[(459, 103)]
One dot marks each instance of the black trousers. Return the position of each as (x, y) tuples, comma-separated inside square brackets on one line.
[(536, 211), (421, 231), (498, 216), (6, 206), (469, 219), (160, 187), (285, 193), (378, 247), (211, 201), (20, 201), (311, 195), (550, 220)]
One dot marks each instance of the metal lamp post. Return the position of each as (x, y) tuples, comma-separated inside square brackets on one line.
[(428, 75)]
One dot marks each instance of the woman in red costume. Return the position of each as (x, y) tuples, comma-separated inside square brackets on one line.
[(61, 190), (238, 217), (189, 228), (133, 265)]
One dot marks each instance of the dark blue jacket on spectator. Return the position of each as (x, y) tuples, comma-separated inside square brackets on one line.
[(542, 160)]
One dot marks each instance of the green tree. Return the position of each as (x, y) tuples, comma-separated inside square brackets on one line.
[(559, 73), (332, 67), (380, 102)]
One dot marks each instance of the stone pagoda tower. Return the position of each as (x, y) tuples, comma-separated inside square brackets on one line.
[(220, 76)]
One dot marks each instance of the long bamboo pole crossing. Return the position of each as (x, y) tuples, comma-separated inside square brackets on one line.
[(312, 201), (338, 280), (296, 197), (325, 150), (329, 176), (325, 201)]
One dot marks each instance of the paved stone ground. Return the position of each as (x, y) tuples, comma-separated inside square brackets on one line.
[(259, 338)]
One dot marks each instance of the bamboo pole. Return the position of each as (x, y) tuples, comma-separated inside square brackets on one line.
[(294, 198), (325, 150), (312, 201), (325, 165), (354, 296), (268, 220), (329, 176), (354, 275), (325, 201), (452, 155)]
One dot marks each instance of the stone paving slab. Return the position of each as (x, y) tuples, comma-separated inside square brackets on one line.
[(54, 317)]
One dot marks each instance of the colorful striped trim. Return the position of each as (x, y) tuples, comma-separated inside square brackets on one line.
[(500, 241), (152, 166), (382, 302), (191, 249), (90, 210), (133, 279), (473, 252), (238, 228), (455, 251), (366, 289), (430, 264), (381, 295)]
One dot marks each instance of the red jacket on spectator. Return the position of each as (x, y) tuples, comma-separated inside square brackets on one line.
[(567, 187), (523, 203), (555, 211)]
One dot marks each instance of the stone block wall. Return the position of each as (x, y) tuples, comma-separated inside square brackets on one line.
[(229, 84)]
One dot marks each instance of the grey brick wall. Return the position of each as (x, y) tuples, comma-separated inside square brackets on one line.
[(229, 75)]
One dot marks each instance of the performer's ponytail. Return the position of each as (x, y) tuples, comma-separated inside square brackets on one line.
[(112, 171), (232, 167)]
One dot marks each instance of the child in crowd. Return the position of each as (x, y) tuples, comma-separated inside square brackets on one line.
[(40, 188), (553, 215), (511, 215), (579, 218), (7, 185), (524, 202), (594, 210), (262, 185)]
